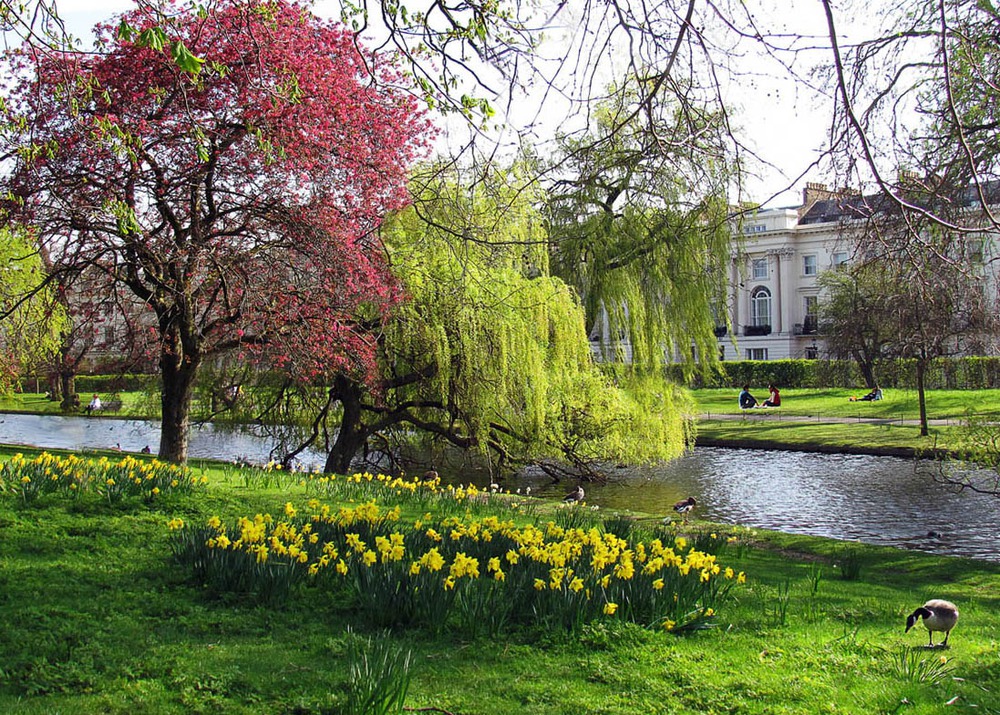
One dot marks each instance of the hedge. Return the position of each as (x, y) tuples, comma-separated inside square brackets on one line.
[(966, 373)]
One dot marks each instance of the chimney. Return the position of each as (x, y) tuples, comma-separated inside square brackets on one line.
[(815, 192)]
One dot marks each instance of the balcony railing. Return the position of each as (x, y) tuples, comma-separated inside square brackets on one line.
[(809, 327), (756, 330)]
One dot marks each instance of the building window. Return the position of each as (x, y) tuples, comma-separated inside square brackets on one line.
[(760, 269), (840, 258), (811, 324), (756, 353), (760, 307), (809, 265)]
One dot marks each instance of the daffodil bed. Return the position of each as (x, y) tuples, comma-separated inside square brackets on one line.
[(114, 480), (473, 574)]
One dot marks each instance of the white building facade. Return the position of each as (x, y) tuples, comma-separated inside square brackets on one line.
[(774, 294)]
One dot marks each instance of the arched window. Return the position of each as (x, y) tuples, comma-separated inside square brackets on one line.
[(760, 306)]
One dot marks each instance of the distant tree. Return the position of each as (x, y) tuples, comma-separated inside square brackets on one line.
[(237, 206), (853, 316), (30, 317), (488, 353), (97, 333), (639, 225), (910, 301)]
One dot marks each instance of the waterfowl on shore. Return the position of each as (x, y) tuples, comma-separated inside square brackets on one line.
[(685, 506), (430, 475), (938, 615), (575, 495)]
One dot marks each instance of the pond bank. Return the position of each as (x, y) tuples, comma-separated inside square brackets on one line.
[(768, 444)]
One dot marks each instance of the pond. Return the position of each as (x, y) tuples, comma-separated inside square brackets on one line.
[(878, 500)]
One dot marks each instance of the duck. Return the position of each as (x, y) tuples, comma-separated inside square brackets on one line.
[(575, 495), (938, 615), (685, 506)]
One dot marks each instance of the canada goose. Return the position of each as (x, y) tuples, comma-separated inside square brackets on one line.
[(430, 475), (685, 506), (575, 495), (938, 615)]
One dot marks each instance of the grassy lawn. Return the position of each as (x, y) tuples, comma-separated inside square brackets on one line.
[(134, 404), (96, 617), (896, 411), (896, 405)]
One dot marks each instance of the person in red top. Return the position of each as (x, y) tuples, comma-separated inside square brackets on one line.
[(774, 400)]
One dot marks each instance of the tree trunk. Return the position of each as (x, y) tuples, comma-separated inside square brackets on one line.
[(868, 373), (920, 397), (866, 367), (178, 373), (67, 382), (55, 386), (352, 434)]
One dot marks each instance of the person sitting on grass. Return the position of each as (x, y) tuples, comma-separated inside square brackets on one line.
[(774, 398), (746, 399), (875, 394)]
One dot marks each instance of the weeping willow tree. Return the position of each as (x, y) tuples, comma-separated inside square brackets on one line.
[(488, 352), (639, 223), (30, 319)]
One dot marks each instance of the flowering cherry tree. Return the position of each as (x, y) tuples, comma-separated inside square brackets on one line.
[(233, 207)]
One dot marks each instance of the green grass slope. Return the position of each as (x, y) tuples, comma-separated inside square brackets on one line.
[(96, 617)]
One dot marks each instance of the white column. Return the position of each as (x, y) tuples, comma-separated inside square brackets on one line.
[(788, 284)]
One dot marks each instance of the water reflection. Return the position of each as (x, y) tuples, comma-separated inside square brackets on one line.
[(880, 500), (243, 442)]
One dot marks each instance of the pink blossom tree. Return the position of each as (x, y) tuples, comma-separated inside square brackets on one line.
[(233, 202)]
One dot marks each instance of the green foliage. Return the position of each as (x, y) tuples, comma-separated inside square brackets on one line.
[(30, 319), (379, 676), (916, 666), (641, 229), (502, 343), (109, 384), (850, 561)]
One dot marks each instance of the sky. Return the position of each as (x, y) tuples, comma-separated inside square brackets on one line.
[(782, 120)]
